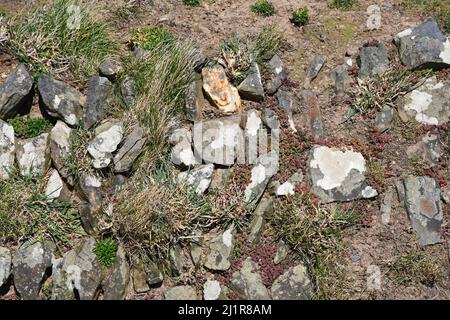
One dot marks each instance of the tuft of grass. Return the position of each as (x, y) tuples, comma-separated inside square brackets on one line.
[(192, 3), (48, 39), (300, 17), (413, 267), (264, 8), (151, 37), (26, 213), (26, 127), (343, 4), (78, 160), (105, 250)]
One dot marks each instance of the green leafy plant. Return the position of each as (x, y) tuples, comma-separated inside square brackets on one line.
[(343, 4), (264, 8), (25, 127), (151, 37), (105, 250), (300, 17), (192, 3)]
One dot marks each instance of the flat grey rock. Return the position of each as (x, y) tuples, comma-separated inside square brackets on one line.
[(372, 60), (99, 95), (294, 284)]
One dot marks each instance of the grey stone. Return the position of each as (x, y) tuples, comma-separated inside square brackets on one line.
[(252, 88), (314, 67), (60, 100), (152, 273), (91, 209), (423, 204), (60, 147), (33, 155), (195, 101), (110, 69), (270, 119), (383, 119), (341, 79), (200, 60), (199, 178), (16, 93), (424, 46), (294, 284), (248, 282), (176, 260), (99, 94), (181, 293), (130, 150), (281, 253), (219, 251), (427, 104), (128, 91), (372, 60), (139, 276), (261, 213), (278, 74), (7, 150), (55, 186), (430, 149), (182, 154), (355, 258), (5, 265), (118, 182), (116, 283), (108, 136), (265, 168), (338, 175), (30, 263), (79, 271)]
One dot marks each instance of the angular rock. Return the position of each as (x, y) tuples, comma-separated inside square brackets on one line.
[(248, 282), (281, 253), (252, 88), (110, 69), (294, 284), (199, 178), (424, 46), (430, 149), (176, 260), (78, 274), (128, 91), (314, 67), (60, 145), (91, 209), (278, 74), (341, 79), (270, 119), (266, 167), (428, 104), (152, 273), (7, 150), (131, 149), (423, 204), (372, 60), (54, 186), (108, 137), (383, 119), (139, 276), (33, 155), (118, 182), (30, 264), (338, 175), (218, 140), (60, 100), (16, 93), (5, 265), (219, 90), (195, 101), (261, 213), (100, 91), (182, 154), (219, 251), (115, 285), (181, 293)]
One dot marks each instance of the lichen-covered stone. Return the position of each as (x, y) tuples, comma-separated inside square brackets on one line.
[(108, 136), (130, 150), (33, 155), (294, 284), (60, 146), (383, 119), (372, 60), (278, 74), (248, 283), (99, 93), (219, 251), (261, 213), (266, 167), (199, 178)]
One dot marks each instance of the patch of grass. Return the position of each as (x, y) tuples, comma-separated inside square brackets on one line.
[(413, 267), (60, 37), (26, 213), (264, 8), (151, 37), (192, 3), (344, 4), (300, 17), (78, 160), (314, 232), (26, 127), (105, 250)]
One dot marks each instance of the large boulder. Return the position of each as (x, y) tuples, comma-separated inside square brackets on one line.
[(7, 150), (60, 100), (98, 100), (33, 155), (424, 46), (338, 175), (222, 94), (108, 136), (15, 93), (30, 264), (427, 104)]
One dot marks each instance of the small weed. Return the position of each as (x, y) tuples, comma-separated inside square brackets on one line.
[(263, 7), (105, 250), (192, 3), (151, 37), (26, 127), (343, 4), (300, 17)]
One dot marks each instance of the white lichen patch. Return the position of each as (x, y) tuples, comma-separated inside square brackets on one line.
[(420, 102), (211, 290)]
